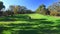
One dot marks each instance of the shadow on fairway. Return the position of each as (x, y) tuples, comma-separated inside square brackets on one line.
[(25, 32), (15, 18), (41, 21)]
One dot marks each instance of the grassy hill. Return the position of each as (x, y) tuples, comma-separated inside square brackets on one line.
[(29, 24)]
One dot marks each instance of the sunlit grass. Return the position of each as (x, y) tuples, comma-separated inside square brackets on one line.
[(37, 22), (33, 16)]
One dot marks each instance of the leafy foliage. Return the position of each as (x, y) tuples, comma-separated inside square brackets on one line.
[(54, 9), (1, 5), (41, 9)]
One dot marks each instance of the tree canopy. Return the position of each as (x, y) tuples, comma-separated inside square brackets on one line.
[(41, 9), (54, 7), (1, 5)]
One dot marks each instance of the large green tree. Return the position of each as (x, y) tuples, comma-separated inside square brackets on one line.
[(41, 9), (1, 5)]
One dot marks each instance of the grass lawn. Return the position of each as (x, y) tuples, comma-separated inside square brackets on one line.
[(30, 24)]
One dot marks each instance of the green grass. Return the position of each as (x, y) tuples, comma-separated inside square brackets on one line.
[(30, 24)]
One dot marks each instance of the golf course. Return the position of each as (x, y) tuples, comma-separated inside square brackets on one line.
[(29, 16), (29, 24)]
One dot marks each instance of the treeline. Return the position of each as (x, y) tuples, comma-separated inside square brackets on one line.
[(14, 9), (53, 9)]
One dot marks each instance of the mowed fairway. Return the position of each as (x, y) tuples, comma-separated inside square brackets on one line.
[(29, 24)]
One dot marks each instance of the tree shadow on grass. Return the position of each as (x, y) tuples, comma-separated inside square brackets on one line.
[(58, 20), (21, 24), (36, 20), (41, 21), (1, 30), (46, 22), (48, 30), (15, 18), (25, 32), (7, 19)]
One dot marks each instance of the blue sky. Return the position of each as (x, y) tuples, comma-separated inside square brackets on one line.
[(30, 4)]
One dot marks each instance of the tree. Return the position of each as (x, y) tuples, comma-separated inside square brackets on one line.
[(11, 8), (54, 9), (17, 9), (41, 9), (1, 5), (29, 11), (8, 13), (47, 12), (23, 9), (14, 8)]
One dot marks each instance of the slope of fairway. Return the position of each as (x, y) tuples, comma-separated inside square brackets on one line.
[(32, 16), (39, 16), (30, 24)]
